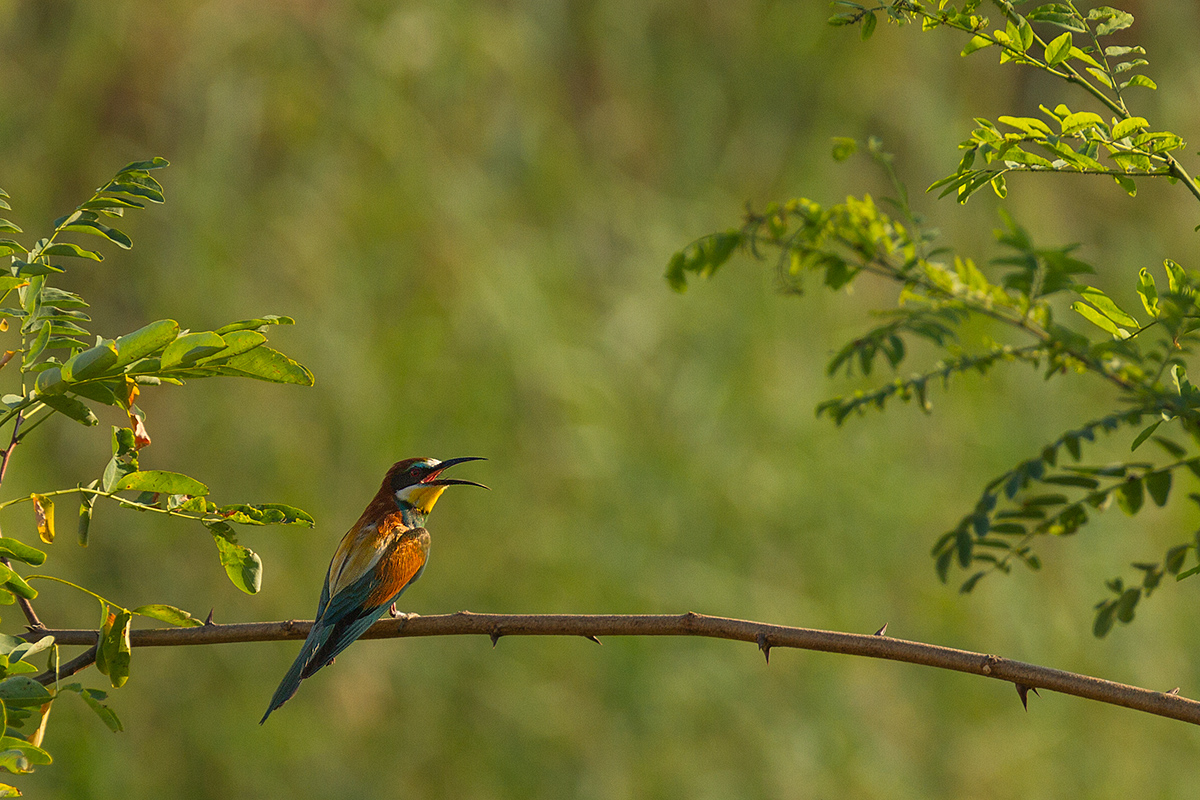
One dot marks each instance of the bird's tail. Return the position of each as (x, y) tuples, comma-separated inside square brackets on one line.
[(295, 674)]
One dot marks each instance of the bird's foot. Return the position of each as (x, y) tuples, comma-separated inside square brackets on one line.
[(396, 614)]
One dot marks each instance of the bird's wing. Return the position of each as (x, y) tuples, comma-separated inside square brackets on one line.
[(372, 566), (356, 604)]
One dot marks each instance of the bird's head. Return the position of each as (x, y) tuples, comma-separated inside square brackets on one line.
[(416, 483)]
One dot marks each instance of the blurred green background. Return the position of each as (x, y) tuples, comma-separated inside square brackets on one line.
[(468, 206)]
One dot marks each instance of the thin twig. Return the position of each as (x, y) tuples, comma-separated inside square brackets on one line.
[(31, 616), (76, 664), (690, 624)]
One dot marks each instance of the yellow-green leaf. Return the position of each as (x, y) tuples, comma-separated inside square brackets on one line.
[(43, 515), (1107, 307)]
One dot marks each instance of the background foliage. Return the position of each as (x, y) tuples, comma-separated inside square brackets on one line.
[(466, 207)]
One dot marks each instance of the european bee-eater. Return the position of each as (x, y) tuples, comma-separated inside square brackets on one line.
[(378, 558)]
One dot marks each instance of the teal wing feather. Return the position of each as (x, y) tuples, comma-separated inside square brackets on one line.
[(351, 608)]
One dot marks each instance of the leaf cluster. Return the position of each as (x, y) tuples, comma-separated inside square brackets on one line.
[(1041, 310), (61, 368)]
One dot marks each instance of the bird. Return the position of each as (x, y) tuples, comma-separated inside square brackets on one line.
[(379, 557)]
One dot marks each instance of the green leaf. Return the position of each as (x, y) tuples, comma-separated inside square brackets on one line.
[(868, 25), (114, 472), (1104, 620), (190, 348), (17, 585), (1059, 50), (93, 697), (26, 269), (1130, 496), (91, 363), (1176, 277), (1078, 121), (1099, 320), (267, 364), (59, 298), (49, 381), (111, 205), (30, 753), (87, 502), (69, 406), (37, 347), (1112, 20), (1139, 80), (11, 548), (999, 186), (1158, 484), (963, 546), (1144, 435), (145, 341), (264, 514), (107, 391), (970, 582), (1176, 556), (158, 162), (977, 43), (1127, 184), (1100, 75), (1173, 449), (1072, 480), (236, 343), (1128, 126), (254, 324), (1148, 291), (161, 482), (25, 650), (242, 565), (87, 223), (168, 614), (21, 690), (72, 250), (1126, 604), (114, 649), (1107, 307), (151, 193)]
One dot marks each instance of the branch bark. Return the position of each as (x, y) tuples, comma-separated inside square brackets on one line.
[(766, 636)]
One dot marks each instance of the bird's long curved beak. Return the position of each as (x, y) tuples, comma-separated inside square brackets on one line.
[(433, 480)]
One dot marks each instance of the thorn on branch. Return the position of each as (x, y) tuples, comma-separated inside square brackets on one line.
[(209, 619), (593, 638), (765, 646), (882, 631), (1174, 691), (1023, 692), (495, 634)]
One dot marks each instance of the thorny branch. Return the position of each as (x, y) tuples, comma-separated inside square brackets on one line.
[(766, 636)]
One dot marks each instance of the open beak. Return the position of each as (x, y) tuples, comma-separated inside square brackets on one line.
[(433, 480)]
